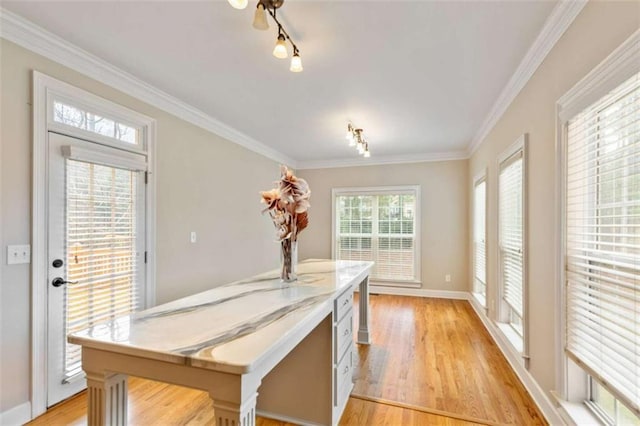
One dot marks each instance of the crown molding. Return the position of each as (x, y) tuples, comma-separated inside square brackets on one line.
[(554, 27), (620, 65), (377, 161), (38, 40)]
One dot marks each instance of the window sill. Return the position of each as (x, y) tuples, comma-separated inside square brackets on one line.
[(576, 413), (406, 284), (514, 338)]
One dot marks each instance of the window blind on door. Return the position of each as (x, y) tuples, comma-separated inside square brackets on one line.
[(479, 236), (511, 230), (102, 251), (602, 226)]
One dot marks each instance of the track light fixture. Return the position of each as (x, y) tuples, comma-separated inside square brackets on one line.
[(280, 51), (238, 4), (260, 18), (260, 23), (296, 62), (355, 138)]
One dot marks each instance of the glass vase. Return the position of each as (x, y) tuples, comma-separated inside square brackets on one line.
[(289, 260)]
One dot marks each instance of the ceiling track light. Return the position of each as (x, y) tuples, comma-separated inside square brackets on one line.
[(296, 62), (280, 50), (260, 23), (355, 138), (260, 18), (238, 4)]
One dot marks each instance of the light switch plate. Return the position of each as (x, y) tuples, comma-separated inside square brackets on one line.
[(18, 254)]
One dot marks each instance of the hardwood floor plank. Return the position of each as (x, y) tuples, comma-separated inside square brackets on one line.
[(467, 420), (435, 353), (431, 363)]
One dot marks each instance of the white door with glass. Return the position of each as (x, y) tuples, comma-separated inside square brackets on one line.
[(96, 247)]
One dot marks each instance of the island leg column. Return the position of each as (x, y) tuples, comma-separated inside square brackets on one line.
[(363, 307), (234, 414), (107, 399)]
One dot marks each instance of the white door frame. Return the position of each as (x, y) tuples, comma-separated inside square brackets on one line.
[(44, 87)]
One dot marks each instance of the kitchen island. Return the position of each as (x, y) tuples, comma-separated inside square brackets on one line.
[(257, 346)]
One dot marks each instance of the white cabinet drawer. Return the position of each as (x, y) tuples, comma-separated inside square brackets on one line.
[(343, 304), (343, 379), (343, 335)]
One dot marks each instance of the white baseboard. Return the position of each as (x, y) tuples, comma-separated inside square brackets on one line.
[(16, 416), (418, 292), (544, 403)]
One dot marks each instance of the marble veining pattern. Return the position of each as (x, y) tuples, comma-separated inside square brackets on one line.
[(230, 324), (251, 325)]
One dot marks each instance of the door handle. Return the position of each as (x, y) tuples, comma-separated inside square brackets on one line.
[(57, 282)]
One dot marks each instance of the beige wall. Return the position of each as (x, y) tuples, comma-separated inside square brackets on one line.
[(443, 208), (596, 32), (204, 184)]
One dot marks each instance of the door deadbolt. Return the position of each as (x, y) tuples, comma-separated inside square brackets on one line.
[(57, 263)]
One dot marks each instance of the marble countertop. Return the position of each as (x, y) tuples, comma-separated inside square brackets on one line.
[(232, 327)]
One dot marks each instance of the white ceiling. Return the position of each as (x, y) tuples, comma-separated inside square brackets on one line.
[(419, 77)]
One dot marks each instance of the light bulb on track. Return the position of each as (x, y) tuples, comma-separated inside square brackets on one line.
[(280, 51), (260, 18), (238, 4)]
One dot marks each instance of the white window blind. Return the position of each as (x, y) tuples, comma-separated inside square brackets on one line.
[(355, 227), (102, 233), (378, 227), (603, 241), (511, 231), (479, 238)]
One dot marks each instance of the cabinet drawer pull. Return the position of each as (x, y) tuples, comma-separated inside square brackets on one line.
[(346, 301), (346, 332), (346, 370)]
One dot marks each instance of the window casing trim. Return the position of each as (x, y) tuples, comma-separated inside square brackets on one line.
[(384, 190)]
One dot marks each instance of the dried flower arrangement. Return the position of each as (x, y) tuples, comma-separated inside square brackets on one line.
[(287, 205)]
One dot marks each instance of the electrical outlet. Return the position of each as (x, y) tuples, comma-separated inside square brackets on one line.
[(18, 254), (194, 237), (447, 278)]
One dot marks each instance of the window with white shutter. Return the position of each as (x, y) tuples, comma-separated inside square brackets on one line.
[(602, 243), (379, 224), (479, 241), (511, 243)]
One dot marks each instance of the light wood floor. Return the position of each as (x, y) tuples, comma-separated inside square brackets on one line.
[(435, 353), (431, 363)]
